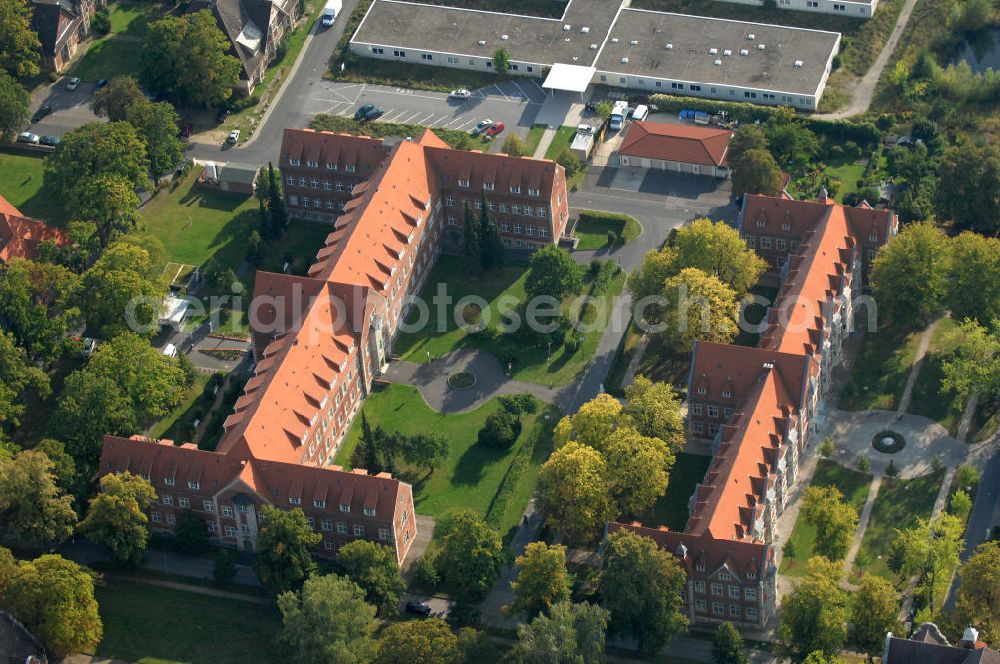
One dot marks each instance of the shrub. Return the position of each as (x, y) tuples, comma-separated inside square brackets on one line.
[(595, 266), (961, 505), (864, 464), (425, 573), (966, 478), (101, 22), (891, 470), (569, 161), (224, 565), (500, 430), (612, 238), (826, 449), (243, 103)]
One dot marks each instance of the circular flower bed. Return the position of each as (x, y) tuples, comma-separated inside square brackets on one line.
[(461, 381), (888, 442)]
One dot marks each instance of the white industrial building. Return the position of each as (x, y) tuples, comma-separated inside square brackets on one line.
[(862, 9), (654, 52)]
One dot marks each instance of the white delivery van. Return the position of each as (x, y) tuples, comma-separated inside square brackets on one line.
[(330, 12), (640, 113)]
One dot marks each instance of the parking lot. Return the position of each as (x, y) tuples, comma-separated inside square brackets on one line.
[(515, 103), (69, 109)]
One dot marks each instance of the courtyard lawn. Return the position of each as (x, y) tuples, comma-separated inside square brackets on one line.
[(131, 19), (21, 176), (880, 370), (472, 475), (852, 484), (593, 228), (662, 363), (533, 364), (109, 57), (898, 505), (927, 399), (178, 425), (671, 510), (297, 247), (153, 625)]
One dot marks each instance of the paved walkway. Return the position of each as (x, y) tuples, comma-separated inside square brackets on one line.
[(863, 519), (864, 90)]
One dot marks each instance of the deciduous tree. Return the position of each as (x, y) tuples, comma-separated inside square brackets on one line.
[(374, 568), (641, 587), (54, 598), (14, 100), (117, 517), (19, 44), (157, 123), (501, 60), (110, 202), (968, 190), (429, 640), (542, 580), (191, 532), (470, 235), (515, 147), (572, 492), (491, 251), (283, 543), (18, 378), (471, 553), (814, 615), (910, 275), (567, 634), (835, 520), (638, 469), (35, 305), (328, 621), (971, 364), (757, 173), (975, 261), (979, 590), (426, 451), (187, 58), (717, 249), (655, 411), (114, 100), (874, 611), (591, 424), (500, 430), (699, 306), (552, 272), (34, 510), (727, 647), (120, 293), (746, 138)]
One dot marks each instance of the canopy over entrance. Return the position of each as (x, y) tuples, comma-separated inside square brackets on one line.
[(570, 78)]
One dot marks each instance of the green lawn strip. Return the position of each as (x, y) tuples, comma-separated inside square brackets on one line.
[(177, 426), (21, 176), (927, 399), (149, 624), (852, 484), (880, 371), (534, 138), (131, 19), (594, 226), (671, 510), (107, 58), (533, 364), (452, 137), (563, 138), (898, 505), (471, 476), (623, 358), (199, 226)]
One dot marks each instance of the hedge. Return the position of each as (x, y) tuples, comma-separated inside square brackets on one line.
[(505, 492), (838, 130)]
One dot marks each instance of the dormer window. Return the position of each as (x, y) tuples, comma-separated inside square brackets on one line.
[(727, 394), (786, 226), (294, 162), (488, 186), (369, 511), (194, 485), (169, 481), (319, 504), (294, 500), (700, 567), (761, 223), (463, 183), (515, 190), (345, 508), (350, 168), (873, 237), (751, 574), (331, 167), (312, 164), (702, 389), (532, 192)]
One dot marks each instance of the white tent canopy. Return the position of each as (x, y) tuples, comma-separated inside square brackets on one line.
[(570, 78), (173, 309)]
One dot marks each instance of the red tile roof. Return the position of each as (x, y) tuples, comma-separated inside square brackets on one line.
[(20, 235), (689, 144)]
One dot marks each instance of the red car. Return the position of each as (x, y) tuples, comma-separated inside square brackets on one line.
[(495, 129)]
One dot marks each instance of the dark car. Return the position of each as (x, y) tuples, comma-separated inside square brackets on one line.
[(363, 111), (42, 111), (223, 114), (420, 608), (374, 114), (51, 141), (100, 84)]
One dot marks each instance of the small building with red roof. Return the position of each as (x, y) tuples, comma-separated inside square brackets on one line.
[(679, 148), (21, 236)]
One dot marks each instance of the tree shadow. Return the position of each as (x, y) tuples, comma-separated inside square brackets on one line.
[(472, 464)]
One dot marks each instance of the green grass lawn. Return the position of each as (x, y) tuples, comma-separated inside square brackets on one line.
[(298, 247), (21, 176), (671, 510), (661, 363), (107, 58), (852, 484), (177, 426), (131, 19), (593, 228), (152, 625), (534, 138), (898, 505), (563, 138), (927, 399), (848, 173), (530, 363), (880, 371), (199, 226), (470, 477)]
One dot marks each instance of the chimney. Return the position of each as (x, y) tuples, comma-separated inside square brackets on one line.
[(969, 638)]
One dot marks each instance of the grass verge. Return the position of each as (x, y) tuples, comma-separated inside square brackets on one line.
[(178, 425), (594, 227), (851, 483), (534, 138)]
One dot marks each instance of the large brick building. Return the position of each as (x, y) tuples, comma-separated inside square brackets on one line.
[(758, 407), (321, 340)]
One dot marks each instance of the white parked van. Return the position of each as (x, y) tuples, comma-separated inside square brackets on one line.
[(640, 113), (330, 12), (170, 350)]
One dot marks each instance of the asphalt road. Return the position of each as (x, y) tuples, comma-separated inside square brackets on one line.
[(69, 109)]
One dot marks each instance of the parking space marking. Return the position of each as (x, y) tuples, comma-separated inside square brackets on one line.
[(392, 115), (425, 120), (521, 89), (340, 107)]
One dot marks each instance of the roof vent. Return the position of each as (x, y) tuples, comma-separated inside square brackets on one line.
[(575, 58), (567, 39), (504, 37), (761, 47), (727, 53), (593, 47), (744, 51), (614, 40), (669, 47), (751, 36), (567, 27), (713, 51), (482, 42), (634, 42), (718, 63), (624, 61), (798, 63), (585, 30)]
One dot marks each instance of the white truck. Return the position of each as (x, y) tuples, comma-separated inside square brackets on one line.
[(330, 12), (618, 113)]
